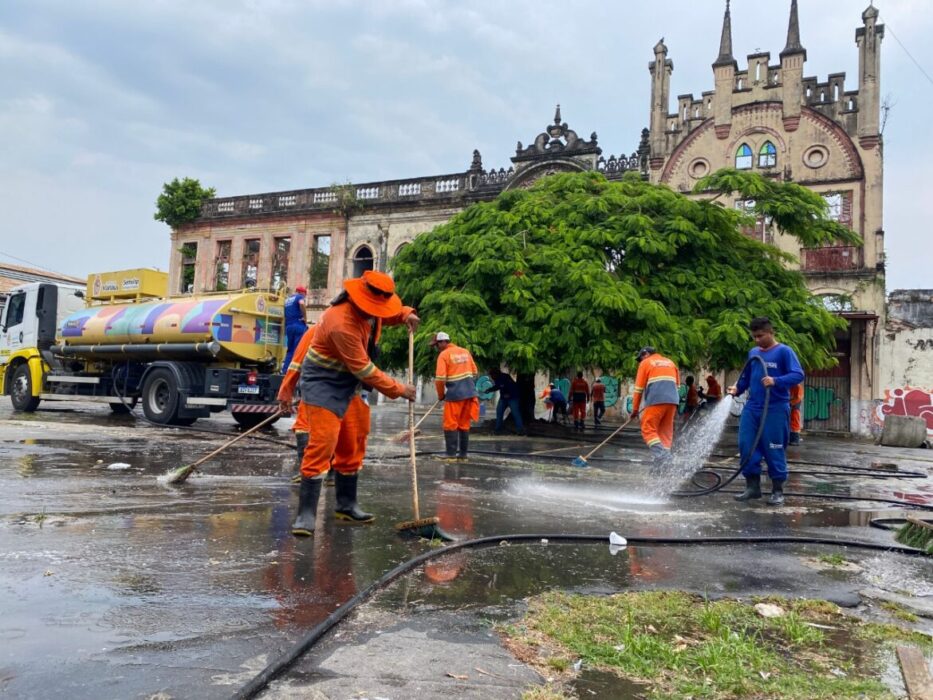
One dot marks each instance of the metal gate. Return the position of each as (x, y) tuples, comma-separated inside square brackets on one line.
[(826, 394)]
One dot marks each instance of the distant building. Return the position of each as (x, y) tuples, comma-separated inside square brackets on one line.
[(14, 275), (767, 118)]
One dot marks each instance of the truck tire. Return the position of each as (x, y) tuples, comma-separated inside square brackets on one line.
[(160, 397), (21, 390), (251, 420)]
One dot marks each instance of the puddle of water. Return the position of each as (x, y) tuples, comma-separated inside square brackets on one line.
[(583, 496), (604, 685)]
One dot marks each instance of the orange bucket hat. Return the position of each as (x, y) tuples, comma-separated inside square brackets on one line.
[(374, 293)]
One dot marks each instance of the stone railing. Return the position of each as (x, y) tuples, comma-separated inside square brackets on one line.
[(622, 164)]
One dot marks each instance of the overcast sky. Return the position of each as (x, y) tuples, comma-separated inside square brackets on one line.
[(101, 101)]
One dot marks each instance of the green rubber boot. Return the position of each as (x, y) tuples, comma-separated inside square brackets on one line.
[(752, 488), (347, 508), (307, 507)]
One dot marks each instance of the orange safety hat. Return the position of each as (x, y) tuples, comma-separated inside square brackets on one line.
[(374, 294)]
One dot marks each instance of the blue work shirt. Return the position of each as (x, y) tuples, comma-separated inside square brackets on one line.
[(557, 396), (783, 367), (506, 387), (293, 311)]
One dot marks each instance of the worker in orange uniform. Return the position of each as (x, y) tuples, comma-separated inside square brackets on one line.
[(796, 419), (287, 392), (339, 363), (656, 385), (455, 381), (579, 396)]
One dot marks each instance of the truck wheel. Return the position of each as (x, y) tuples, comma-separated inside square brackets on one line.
[(21, 390), (160, 397), (251, 420), (121, 409)]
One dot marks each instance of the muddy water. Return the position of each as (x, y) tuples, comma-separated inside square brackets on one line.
[(113, 585)]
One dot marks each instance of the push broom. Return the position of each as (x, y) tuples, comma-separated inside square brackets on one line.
[(916, 533), (427, 528), (179, 475), (581, 461), (402, 436)]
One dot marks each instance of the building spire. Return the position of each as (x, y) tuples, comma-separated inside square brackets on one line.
[(793, 33), (725, 42)]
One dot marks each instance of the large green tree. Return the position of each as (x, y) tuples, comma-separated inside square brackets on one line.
[(580, 272), (180, 201)]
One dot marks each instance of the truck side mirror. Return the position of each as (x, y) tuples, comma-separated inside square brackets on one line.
[(79, 294)]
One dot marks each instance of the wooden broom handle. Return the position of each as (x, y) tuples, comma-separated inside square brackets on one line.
[(614, 433), (238, 438), (411, 428)]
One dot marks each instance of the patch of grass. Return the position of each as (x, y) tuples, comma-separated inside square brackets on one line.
[(881, 632), (899, 611), (545, 692), (40, 518), (832, 559), (681, 645)]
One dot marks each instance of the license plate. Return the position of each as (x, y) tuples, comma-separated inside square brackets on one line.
[(247, 389)]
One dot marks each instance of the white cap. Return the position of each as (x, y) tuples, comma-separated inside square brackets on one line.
[(438, 337)]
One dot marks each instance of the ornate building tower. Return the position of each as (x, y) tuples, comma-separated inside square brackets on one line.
[(774, 120)]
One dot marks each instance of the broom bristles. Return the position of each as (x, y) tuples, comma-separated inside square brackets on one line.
[(177, 476), (916, 533), (404, 436)]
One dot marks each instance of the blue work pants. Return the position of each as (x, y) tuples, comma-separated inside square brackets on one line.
[(516, 413), (293, 333), (771, 447)]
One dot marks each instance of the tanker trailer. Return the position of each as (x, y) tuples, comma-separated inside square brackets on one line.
[(182, 358)]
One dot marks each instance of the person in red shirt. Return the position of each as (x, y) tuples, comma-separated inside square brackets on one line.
[(692, 398), (338, 365), (579, 395), (657, 385), (796, 419), (599, 401)]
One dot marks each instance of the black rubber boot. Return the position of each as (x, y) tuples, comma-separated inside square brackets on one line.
[(777, 493), (794, 439), (752, 488), (307, 507), (347, 509), (451, 441), (463, 453), (329, 478), (301, 442)]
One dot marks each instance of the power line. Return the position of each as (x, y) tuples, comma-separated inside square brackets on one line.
[(35, 265), (909, 55)]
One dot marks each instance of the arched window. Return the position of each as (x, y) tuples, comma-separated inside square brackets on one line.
[(743, 157), (362, 261), (767, 156)]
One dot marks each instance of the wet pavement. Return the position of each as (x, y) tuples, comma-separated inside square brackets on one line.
[(115, 586)]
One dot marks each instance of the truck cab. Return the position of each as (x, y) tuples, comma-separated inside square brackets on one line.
[(28, 325)]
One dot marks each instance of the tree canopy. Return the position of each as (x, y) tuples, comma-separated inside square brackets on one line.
[(579, 272), (180, 201)]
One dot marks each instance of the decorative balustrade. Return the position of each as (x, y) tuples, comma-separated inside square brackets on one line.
[(493, 177), (409, 189), (447, 185), (288, 200), (842, 258), (367, 193), (616, 165), (255, 202), (326, 197)]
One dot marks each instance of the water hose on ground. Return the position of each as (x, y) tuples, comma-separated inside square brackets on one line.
[(286, 660)]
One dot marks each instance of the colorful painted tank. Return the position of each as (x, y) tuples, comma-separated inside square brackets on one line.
[(246, 326)]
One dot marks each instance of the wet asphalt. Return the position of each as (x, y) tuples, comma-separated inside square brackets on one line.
[(113, 585)]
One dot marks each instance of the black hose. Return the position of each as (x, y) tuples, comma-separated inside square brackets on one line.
[(284, 661)]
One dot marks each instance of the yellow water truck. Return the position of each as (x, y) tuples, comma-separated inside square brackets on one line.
[(182, 358)]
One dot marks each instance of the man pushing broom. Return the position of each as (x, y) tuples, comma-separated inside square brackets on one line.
[(339, 363)]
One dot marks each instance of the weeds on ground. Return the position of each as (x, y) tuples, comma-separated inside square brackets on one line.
[(681, 645), (832, 559), (899, 611)]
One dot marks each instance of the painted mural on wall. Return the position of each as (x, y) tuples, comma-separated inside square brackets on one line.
[(907, 401)]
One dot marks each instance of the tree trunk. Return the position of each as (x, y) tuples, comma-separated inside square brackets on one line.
[(526, 397)]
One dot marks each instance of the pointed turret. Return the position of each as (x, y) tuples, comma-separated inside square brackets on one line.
[(793, 34), (868, 38), (725, 42), (660, 69)]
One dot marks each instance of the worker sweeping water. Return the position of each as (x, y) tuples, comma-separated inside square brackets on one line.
[(339, 362), (656, 386), (770, 365), (455, 381)]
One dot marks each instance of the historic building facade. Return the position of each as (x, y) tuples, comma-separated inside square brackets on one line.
[(768, 118), (772, 119)]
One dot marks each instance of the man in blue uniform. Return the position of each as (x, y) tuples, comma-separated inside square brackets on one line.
[(783, 372), (295, 324)]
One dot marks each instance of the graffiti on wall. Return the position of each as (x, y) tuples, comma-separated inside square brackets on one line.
[(908, 401), (818, 402)]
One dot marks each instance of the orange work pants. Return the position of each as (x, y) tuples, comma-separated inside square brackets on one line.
[(796, 423), (657, 424), (578, 409), (458, 414), (342, 440)]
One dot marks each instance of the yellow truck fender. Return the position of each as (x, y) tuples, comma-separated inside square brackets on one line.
[(37, 369)]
